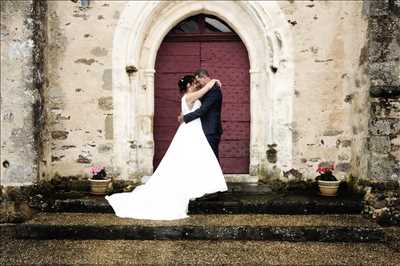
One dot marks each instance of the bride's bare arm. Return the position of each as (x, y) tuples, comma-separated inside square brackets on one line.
[(193, 96)]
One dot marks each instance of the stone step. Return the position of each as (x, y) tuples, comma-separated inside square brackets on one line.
[(235, 202), (323, 228)]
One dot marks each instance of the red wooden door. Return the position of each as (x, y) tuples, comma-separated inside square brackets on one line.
[(226, 60), (174, 60)]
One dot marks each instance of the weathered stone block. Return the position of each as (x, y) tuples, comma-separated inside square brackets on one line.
[(103, 148), (343, 167), (376, 8), (395, 127), (109, 127), (83, 159), (385, 108), (379, 144), (383, 49), (395, 142), (59, 134), (332, 132), (99, 51), (14, 194), (343, 157), (13, 212), (379, 127), (380, 166), (346, 143), (107, 78), (395, 7), (385, 73), (383, 27), (379, 204), (105, 103)]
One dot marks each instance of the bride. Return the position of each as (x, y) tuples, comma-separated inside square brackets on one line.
[(188, 170)]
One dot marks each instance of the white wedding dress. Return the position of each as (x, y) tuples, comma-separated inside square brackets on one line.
[(188, 170)]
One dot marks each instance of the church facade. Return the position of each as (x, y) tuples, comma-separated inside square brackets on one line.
[(305, 84)]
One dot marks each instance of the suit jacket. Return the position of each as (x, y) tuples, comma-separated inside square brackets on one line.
[(209, 111)]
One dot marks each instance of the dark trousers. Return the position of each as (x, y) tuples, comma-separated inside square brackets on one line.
[(214, 143)]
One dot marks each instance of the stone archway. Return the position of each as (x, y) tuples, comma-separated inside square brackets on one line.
[(140, 31)]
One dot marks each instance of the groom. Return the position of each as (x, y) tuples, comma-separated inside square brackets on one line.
[(209, 111)]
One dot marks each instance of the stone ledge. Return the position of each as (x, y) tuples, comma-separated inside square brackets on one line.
[(8, 230), (323, 228), (235, 203)]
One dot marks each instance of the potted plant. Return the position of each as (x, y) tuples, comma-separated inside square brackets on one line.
[(99, 181), (327, 182)]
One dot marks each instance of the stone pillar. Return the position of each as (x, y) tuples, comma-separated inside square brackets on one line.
[(144, 137), (22, 43), (384, 73), (382, 197)]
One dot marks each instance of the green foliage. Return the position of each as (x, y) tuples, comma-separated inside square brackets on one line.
[(326, 177)]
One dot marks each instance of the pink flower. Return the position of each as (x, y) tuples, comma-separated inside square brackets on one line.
[(95, 169), (323, 170)]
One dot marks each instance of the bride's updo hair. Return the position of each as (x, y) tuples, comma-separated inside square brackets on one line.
[(183, 82)]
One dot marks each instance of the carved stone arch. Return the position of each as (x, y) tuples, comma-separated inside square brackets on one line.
[(140, 31)]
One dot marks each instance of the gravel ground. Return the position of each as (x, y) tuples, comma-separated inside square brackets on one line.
[(106, 252)]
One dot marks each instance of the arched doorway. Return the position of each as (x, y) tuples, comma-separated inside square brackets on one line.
[(263, 28), (208, 42)]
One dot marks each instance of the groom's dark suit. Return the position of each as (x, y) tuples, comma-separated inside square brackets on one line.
[(210, 114)]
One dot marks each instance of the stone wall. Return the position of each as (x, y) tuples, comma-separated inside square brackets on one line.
[(384, 72), (59, 119), (22, 75), (79, 91), (331, 87), (382, 200)]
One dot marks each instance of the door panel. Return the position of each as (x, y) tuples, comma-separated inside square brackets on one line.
[(226, 61)]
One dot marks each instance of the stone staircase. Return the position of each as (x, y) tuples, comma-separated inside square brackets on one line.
[(323, 228), (245, 212)]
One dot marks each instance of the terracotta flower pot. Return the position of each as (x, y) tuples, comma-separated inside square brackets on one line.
[(328, 188), (99, 186)]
